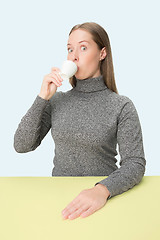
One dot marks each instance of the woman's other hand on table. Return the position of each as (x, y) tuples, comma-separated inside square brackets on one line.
[(87, 202)]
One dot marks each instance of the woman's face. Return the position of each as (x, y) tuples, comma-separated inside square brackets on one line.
[(84, 52)]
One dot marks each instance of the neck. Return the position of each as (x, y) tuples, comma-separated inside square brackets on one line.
[(90, 84)]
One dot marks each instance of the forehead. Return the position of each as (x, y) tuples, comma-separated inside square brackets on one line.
[(80, 35)]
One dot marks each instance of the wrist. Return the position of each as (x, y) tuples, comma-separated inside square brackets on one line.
[(103, 188), (42, 96)]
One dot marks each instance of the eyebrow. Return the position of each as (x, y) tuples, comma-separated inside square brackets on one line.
[(79, 42)]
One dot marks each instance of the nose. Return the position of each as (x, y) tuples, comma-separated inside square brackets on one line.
[(75, 56), (75, 59)]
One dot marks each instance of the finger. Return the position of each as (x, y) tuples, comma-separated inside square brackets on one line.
[(71, 208), (88, 212), (56, 80), (59, 76), (55, 69), (78, 212), (51, 80)]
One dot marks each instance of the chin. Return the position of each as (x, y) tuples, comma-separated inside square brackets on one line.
[(80, 76)]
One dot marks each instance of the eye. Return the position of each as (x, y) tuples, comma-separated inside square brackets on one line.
[(69, 49), (83, 47)]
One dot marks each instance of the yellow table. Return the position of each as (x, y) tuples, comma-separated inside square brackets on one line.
[(30, 208)]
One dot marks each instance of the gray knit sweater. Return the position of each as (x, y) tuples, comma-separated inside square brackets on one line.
[(87, 122)]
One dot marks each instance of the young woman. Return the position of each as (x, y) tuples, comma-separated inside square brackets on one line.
[(86, 123)]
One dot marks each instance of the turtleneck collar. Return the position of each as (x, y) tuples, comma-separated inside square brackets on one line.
[(90, 84)]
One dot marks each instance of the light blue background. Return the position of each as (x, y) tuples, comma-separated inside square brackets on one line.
[(33, 39)]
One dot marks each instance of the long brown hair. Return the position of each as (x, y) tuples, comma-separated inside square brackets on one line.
[(100, 37)]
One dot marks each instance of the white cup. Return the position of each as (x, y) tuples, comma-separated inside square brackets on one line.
[(68, 69)]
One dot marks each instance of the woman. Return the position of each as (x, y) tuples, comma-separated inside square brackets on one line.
[(86, 123)]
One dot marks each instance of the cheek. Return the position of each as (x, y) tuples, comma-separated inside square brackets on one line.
[(86, 60), (90, 61)]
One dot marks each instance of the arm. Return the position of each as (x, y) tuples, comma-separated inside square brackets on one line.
[(129, 138), (33, 126)]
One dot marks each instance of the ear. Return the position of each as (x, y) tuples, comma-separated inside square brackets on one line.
[(103, 53)]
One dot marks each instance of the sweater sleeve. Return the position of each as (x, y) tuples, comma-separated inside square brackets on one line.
[(33, 126), (132, 159)]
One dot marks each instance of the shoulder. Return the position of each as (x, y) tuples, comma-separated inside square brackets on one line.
[(127, 109), (120, 101), (123, 106)]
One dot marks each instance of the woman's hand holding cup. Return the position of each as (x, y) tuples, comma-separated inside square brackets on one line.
[(54, 79), (50, 83)]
